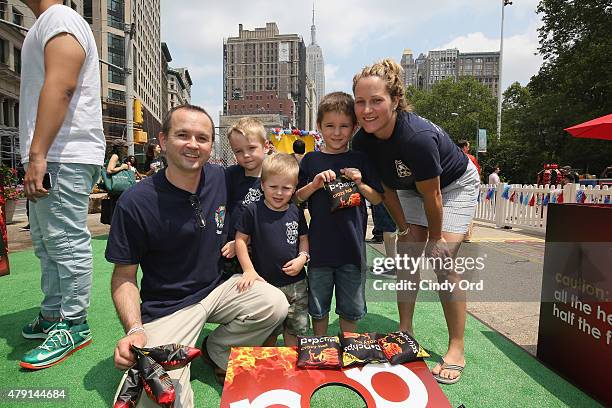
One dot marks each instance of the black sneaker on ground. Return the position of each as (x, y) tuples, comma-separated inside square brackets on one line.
[(26, 228)]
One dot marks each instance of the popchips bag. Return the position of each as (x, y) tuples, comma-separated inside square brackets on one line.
[(171, 356), (400, 347), (343, 193), (318, 352), (130, 390), (361, 348), (156, 381)]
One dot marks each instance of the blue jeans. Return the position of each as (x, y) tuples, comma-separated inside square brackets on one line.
[(61, 240), (349, 282)]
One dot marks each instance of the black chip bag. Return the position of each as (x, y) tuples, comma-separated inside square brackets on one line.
[(361, 348), (130, 390), (156, 381), (171, 356), (318, 352), (400, 347), (343, 193)]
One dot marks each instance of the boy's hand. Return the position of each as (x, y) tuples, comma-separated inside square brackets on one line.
[(352, 173), (247, 280), (294, 266), (322, 178), (229, 249)]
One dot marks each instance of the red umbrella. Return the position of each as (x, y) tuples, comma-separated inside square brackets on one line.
[(600, 128)]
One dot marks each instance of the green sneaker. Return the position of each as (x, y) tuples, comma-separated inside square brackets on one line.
[(63, 340), (39, 328)]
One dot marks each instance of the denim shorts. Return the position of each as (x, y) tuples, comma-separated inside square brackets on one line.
[(297, 322), (349, 281)]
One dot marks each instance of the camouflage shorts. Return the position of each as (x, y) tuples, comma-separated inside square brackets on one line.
[(297, 322)]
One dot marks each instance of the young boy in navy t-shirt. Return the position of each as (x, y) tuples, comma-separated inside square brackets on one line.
[(278, 237), (248, 141), (337, 240)]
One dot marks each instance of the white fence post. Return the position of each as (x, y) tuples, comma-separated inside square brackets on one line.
[(499, 205)]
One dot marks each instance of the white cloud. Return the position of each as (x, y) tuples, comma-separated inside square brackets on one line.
[(333, 82)]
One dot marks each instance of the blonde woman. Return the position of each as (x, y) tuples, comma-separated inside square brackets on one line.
[(430, 191)]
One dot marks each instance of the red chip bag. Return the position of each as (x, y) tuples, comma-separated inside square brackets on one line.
[(318, 352), (130, 390), (400, 347), (343, 193), (171, 356), (156, 381)]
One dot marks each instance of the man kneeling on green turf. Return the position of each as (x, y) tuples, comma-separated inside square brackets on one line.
[(172, 224)]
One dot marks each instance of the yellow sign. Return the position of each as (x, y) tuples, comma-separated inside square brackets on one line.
[(285, 144)]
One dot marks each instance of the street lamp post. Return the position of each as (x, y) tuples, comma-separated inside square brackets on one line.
[(499, 83)]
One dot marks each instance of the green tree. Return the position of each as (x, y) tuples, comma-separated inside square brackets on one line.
[(574, 83), (470, 100)]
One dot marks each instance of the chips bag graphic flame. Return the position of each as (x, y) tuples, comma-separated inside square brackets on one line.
[(246, 359)]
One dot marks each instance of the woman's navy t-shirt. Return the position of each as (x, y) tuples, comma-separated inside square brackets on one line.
[(417, 150), (337, 238), (274, 239)]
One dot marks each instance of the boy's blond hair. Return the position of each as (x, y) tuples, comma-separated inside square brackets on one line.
[(249, 127), (337, 102), (280, 164)]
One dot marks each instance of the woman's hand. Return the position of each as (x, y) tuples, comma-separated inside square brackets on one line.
[(437, 248), (229, 249)]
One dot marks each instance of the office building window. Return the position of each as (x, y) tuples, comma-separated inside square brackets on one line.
[(17, 55), (3, 51), (116, 13), (88, 11), (3, 9), (116, 95), (17, 17), (116, 49)]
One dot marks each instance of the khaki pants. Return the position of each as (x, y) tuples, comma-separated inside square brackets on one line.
[(245, 319)]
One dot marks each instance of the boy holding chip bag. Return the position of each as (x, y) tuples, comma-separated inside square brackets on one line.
[(277, 232), (333, 181), (247, 139)]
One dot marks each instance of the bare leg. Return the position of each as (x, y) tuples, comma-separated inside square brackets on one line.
[(454, 306), (412, 246), (349, 326), (319, 326), (290, 339)]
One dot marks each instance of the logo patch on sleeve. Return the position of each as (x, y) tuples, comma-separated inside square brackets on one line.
[(402, 169)]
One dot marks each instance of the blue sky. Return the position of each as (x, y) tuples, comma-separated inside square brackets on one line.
[(352, 33)]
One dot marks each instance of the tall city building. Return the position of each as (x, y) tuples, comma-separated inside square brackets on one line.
[(109, 20), (166, 58), (441, 64), (315, 65), (410, 68), (421, 74), (179, 87), (484, 66), (264, 70)]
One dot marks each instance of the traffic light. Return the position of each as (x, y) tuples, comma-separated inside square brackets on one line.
[(138, 115), (140, 136)]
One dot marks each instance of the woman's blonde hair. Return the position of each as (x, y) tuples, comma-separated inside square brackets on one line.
[(391, 73)]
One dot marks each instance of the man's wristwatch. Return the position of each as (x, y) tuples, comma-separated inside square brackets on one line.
[(306, 254)]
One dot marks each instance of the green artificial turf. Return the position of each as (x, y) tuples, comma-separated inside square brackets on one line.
[(498, 373)]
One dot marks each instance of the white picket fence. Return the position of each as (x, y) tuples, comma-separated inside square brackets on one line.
[(526, 206)]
